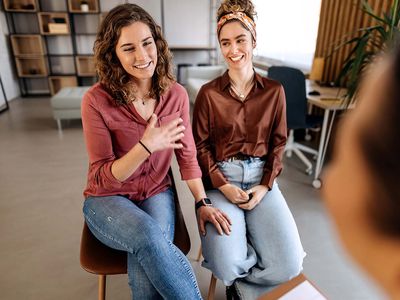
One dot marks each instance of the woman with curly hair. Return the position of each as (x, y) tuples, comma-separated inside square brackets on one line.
[(133, 121), (239, 126)]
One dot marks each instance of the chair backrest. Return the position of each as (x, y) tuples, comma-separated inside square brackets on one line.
[(294, 84), (97, 258)]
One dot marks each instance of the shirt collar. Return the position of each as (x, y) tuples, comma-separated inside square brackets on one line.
[(225, 80)]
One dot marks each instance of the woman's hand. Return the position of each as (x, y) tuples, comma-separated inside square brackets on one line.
[(215, 216), (164, 137), (258, 193), (234, 194)]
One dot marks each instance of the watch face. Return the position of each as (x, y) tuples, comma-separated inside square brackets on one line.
[(207, 201)]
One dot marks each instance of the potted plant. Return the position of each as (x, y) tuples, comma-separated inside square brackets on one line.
[(369, 42)]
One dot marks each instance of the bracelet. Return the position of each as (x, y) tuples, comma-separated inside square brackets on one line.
[(144, 146)]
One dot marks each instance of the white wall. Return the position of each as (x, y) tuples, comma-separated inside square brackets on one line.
[(187, 23), (7, 72), (153, 7)]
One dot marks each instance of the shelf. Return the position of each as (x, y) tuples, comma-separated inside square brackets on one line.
[(20, 6), (51, 23), (31, 66), (27, 45), (84, 7), (56, 83), (85, 66)]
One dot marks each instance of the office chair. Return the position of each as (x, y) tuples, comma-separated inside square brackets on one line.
[(97, 258), (294, 84)]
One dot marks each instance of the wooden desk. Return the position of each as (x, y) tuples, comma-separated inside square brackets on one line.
[(331, 101)]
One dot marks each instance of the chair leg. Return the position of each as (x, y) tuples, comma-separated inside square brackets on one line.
[(306, 149), (211, 289), (304, 159), (102, 287)]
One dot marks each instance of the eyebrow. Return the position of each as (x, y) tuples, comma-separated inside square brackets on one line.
[(130, 44), (239, 36)]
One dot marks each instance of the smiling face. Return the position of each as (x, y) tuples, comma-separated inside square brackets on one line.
[(236, 45), (137, 51)]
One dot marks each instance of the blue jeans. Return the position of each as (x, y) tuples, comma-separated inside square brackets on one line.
[(264, 247), (157, 269)]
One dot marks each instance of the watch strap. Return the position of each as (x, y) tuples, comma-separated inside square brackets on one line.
[(203, 202)]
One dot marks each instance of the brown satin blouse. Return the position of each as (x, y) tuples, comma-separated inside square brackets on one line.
[(224, 126)]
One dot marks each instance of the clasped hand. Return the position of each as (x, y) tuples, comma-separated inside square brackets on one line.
[(242, 198), (163, 137)]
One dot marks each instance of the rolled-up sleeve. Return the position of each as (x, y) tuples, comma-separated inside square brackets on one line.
[(99, 146), (186, 156), (277, 141), (202, 135)]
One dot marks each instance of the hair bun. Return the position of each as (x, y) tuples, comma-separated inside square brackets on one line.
[(230, 6)]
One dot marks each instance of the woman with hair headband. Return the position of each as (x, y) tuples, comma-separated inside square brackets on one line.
[(133, 121), (239, 126)]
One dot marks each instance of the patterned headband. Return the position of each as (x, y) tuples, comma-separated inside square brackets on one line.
[(243, 18)]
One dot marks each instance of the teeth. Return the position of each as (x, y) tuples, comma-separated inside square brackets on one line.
[(143, 66), (236, 58)]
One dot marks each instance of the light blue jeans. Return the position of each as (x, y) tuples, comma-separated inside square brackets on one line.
[(157, 269), (264, 247)]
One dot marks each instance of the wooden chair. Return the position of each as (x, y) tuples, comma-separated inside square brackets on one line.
[(213, 280), (97, 258)]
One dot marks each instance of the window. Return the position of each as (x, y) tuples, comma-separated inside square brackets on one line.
[(287, 31)]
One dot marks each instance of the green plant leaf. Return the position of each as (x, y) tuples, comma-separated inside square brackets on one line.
[(365, 44)]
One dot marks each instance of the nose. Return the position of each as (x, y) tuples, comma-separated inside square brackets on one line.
[(234, 48), (140, 53)]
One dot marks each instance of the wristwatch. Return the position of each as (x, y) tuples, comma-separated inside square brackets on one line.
[(203, 202)]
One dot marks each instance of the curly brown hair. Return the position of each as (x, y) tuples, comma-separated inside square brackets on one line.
[(112, 76), (229, 6)]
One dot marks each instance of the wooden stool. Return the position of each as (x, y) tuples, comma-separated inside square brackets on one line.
[(213, 280), (97, 258)]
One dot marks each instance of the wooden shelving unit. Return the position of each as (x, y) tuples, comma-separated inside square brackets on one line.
[(54, 23), (85, 65), (20, 5), (31, 66), (56, 51), (78, 6), (27, 45), (56, 83)]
